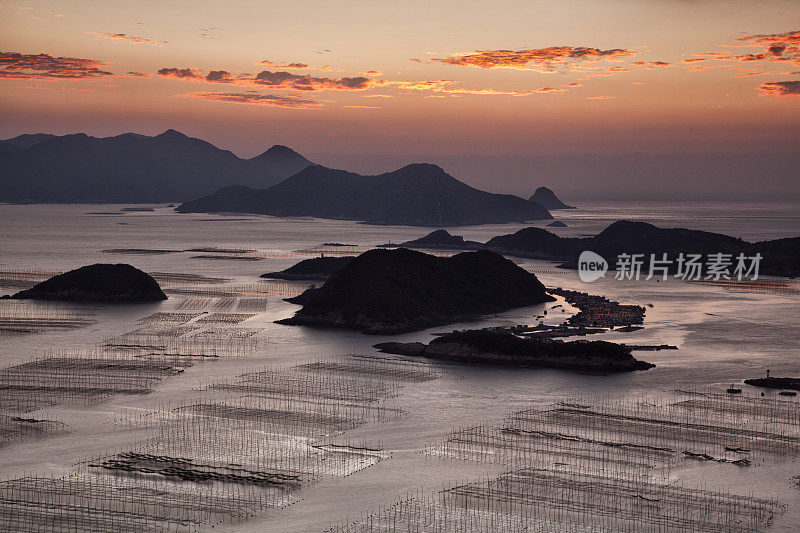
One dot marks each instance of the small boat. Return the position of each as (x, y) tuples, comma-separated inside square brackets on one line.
[(787, 393), (733, 390)]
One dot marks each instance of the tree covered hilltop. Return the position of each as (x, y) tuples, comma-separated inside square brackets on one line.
[(395, 291)]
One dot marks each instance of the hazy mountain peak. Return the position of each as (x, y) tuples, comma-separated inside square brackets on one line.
[(129, 135), (171, 133), (428, 168), (280, 151), (423, 174)]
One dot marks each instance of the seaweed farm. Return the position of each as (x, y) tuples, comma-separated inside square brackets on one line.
[(83, 378), (162, 345), (538, 500), (96, 503), (604, 465), (24, 279), (235, 450), (230, 449), (242, 446), (638, 436), (26, 317)]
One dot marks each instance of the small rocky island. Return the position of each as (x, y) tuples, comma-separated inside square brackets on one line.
[(395, 291), (105, 283), (441, 239), (548, 199), (495, 347), (317, 268)]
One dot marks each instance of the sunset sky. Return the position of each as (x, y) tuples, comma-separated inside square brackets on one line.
[(348, 77)]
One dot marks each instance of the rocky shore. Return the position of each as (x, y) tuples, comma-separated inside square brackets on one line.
[(775, 383), (599, 311)]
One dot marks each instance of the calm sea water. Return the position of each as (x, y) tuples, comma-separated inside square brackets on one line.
[(722, 336)]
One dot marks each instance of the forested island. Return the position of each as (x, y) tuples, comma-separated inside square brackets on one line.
[(394, 291), (105, 283)]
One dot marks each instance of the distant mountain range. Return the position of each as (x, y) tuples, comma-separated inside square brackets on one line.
[(781, 257), (131, 168), (415, 195)]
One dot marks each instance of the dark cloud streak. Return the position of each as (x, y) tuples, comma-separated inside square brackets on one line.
[(250, 98)]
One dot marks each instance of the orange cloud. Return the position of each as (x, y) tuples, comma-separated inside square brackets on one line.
[(518, 59), (778, 47), (451, 87), (139, 75), (47, 67), (789, 37), (573, 84), (706, 56), (272, 64), (601, 98), (249, 98), (362, 107), (780, 88)]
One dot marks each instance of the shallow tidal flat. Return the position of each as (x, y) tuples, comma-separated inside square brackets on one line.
[(200, 411)]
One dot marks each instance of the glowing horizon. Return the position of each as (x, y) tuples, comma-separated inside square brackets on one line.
[(465, 78)]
